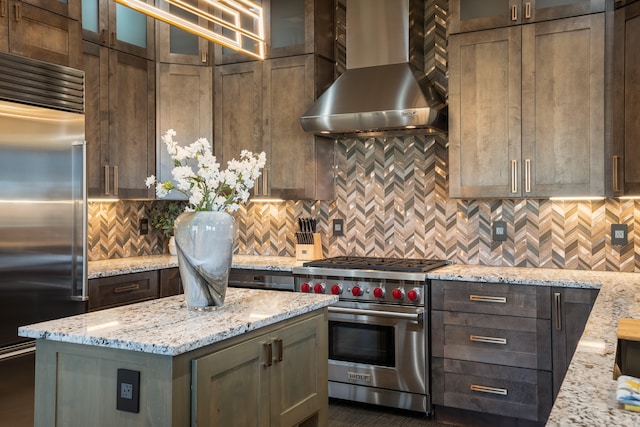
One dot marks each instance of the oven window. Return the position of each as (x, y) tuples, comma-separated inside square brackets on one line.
[(360, 343)]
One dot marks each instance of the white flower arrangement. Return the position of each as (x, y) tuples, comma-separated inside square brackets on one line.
[(197, 174)]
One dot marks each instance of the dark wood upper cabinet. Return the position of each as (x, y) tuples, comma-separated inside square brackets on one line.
[(49, 31), (473, 15), (626, 108)]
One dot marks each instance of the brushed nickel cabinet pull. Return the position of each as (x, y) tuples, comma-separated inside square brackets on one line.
[(203, 56), (106, 180), (265, 182), (514, 175), (115, 180), (485, 298), (127, 288), (488, 340), (557, 297), (3, 8), (514, 13), (18, 12), (616, 174), (527, 175), (269, 349), (485, 389), (527, 10), (279, 345)]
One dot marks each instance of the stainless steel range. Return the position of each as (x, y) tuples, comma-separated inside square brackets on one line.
[(379, 329)]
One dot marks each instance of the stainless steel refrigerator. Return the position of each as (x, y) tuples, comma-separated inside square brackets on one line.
[(42, 215)]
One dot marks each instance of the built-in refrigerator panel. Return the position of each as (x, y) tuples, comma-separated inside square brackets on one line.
[(42, 215)]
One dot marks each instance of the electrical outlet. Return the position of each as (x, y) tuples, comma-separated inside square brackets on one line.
[(338, 227), (144, 226), (619, 234), (128, 391), (499, 231)]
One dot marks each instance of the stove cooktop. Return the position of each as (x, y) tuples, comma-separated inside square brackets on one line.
[(378, 263)]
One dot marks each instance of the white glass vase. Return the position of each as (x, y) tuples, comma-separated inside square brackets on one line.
[(204, 241)]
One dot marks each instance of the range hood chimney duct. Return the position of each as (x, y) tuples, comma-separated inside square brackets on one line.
[(384, 89)]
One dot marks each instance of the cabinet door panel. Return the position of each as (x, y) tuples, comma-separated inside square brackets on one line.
[(96, 69), (132, 123), (472, 15), (238, 110), (484, 113), (184, 105), (289, 92), (570, 314), (562, 106), (178, 46), (44, 35), (627, 103), (231, 386), (299, 379)]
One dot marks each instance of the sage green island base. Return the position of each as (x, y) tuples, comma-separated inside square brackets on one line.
[(243, 365)]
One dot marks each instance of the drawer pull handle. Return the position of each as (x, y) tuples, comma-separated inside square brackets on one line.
[(484, 298), (279, 345), (485, 389), (128, 288), (490, 340), (269, 349)]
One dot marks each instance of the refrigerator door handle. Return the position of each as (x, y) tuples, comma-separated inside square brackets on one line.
[(82, 294)]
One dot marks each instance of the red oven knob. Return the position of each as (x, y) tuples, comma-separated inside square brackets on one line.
[(413, 294), (305, 287), (336, 289), (398, 293), (319, 288), (378, 292), (356, 291)]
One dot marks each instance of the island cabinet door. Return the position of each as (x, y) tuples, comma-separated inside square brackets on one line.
[(299, 382), (231, 387)]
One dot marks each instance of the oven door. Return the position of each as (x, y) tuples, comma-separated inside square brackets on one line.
[(379, 346)]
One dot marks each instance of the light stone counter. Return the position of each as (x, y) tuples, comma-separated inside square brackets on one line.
[(587, 396), (114, 267), (165, 326)]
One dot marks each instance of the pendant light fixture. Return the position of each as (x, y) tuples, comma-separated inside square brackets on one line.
[(235, 24)]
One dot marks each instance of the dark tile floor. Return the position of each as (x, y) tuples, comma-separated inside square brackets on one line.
[(350, 414)]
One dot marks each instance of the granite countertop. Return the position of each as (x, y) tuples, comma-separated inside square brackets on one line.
[(117, 266), (588, 393), (165, 326)]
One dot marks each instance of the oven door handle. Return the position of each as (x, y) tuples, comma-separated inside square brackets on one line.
[(416, 317)]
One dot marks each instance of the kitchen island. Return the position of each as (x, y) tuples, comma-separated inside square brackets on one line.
[(261, 359)]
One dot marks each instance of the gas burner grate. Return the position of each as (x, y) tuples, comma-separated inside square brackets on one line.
[(378, 263)]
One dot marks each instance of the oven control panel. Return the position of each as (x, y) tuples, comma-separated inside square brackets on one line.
[(407, 292)]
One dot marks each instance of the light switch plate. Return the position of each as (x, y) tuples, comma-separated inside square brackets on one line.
[(619, 234), (499, 231), (338, 227)]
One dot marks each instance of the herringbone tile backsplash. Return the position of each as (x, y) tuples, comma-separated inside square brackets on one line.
[(392, 195)]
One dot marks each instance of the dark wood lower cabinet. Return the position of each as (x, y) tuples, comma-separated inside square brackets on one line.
[(500, 352), (107, 292)]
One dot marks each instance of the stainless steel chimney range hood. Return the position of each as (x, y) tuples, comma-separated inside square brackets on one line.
[(384, 90)]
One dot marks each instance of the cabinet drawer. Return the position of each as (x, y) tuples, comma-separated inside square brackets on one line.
[(491, 298), (124, 289), (501, 390), (505, 340)]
